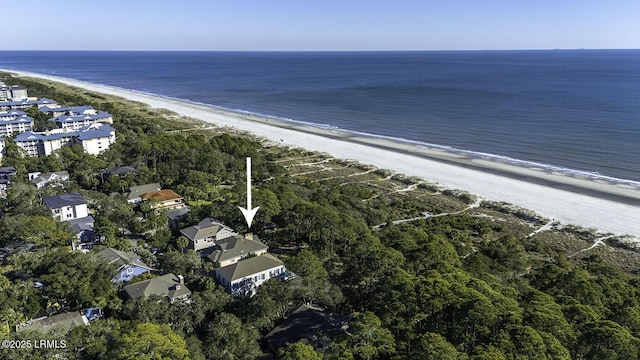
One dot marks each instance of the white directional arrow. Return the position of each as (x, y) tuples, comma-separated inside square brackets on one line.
[(249, 213)]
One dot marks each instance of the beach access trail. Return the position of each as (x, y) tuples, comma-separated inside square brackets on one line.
[(610, 208)]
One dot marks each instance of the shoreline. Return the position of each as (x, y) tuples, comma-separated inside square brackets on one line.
[(571, 198)]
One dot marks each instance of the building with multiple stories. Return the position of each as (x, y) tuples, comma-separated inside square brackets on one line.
[(14, 122), (26, 103), (76, 121), (94, 139), (67, 207), (13, 92)]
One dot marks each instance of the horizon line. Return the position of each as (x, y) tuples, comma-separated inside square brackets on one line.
[(311, 51)]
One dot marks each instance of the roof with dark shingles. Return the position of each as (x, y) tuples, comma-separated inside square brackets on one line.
[(248, 267), (121, 170), (306, 321), (58, 201)]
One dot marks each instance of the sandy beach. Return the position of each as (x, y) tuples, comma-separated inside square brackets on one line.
[(602, 205)]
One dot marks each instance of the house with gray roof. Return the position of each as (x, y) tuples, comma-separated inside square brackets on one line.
[(55, 324), (41, 180), (174, 216), (244, 277), (82, 229), (68, 206), (127, 263), (308, 322), (235, 248), (120, 171), (167, 286), (136, 192), (205, 234)]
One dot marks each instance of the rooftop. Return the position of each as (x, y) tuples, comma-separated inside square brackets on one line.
[(161, 195), (164, 285), (137, 191), (121, 258), (58, 201), (66, 321), (208, 227), (305, 322), (248, 267), (235, 246)]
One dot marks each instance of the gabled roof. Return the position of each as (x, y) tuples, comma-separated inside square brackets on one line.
[(248, 267), (24, 119), (208, 227), (81, 225), (81, 117), (12, 112), (164, 285), (121, 258), (121, 170), (58, 201), (67, 321), (137, 191), (8, 170), (94, 131), (235, 246), (306, 321), (46, 178), (28, 136), (177, 213), (161, 195)]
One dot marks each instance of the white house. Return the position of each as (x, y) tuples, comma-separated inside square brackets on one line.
[(244, 277), (67, 207), (205, 234), (41, 180)]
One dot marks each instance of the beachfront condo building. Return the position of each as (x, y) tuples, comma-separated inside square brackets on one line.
[(14, 92), (75, 122), (94, 138), (10, 125), (25, 104)]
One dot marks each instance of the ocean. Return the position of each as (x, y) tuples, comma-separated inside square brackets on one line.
[(571, 109)]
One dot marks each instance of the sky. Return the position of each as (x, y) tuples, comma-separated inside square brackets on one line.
[(306, 25)]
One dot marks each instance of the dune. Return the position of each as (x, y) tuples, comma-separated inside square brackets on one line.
[(578, 200)]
